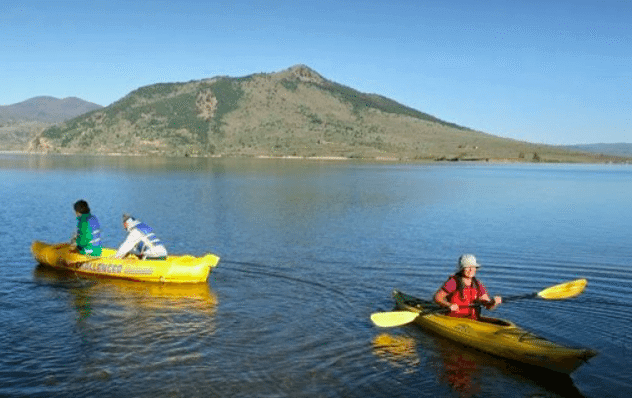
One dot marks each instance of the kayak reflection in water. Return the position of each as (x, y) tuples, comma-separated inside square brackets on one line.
[(462, 291)]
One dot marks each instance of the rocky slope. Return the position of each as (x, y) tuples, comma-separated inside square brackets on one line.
[(295, 112)]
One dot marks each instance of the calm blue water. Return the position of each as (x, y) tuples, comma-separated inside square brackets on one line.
[(309, 250)]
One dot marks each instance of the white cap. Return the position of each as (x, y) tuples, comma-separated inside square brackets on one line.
[(466, 261)]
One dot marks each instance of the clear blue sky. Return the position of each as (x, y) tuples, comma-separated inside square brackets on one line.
[(557, 72)]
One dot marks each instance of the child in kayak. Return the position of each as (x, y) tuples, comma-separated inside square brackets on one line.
[(462, 290), (142, 238), (87, 238)]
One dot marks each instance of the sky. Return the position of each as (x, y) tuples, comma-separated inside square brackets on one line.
[(552, 71)]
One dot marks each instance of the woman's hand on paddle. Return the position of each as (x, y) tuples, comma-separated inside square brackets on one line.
[(494, 302), (489, 303)]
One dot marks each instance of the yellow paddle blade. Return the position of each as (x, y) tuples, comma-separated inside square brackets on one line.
[(394, 318), (564, 290)]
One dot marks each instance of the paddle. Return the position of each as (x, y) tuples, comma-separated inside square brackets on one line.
[(399, 318), (557, 292), (393, 318)]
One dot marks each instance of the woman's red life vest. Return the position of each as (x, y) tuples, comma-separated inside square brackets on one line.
[(469, 296)]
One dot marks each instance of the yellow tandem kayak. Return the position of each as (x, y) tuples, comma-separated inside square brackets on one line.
[(497, 337), (175, 269)]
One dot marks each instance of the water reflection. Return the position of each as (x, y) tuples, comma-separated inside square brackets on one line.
[(467, 372), (459, 368), (400, 351), (80, 162), (196, 298), (455, 367), (123, 329)]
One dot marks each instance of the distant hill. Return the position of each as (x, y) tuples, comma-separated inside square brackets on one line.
[(621, 149), (294, 112), (21, 122), (46, 109)]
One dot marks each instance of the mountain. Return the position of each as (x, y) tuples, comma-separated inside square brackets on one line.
[(620, 149), (21, 122), (46, 109), (294, 112)]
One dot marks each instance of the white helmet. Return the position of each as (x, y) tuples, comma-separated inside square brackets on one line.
[(466, 261)]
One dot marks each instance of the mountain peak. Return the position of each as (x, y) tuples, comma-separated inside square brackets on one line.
[(303, 73), (47, 109)]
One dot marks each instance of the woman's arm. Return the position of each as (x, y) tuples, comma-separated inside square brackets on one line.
[(441, 298)]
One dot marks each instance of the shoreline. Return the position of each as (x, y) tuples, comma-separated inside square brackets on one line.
[(377, 159)]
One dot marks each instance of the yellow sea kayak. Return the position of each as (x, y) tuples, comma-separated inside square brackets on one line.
[(496, 336), (175, 269)]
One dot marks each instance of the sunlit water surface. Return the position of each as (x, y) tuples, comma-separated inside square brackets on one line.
[(309, 250)]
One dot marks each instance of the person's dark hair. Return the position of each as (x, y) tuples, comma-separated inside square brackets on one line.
[(81, 206)]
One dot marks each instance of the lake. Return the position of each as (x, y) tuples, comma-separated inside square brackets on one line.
[(309, 250)]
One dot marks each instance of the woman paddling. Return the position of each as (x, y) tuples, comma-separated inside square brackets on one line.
[(462, 290)]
